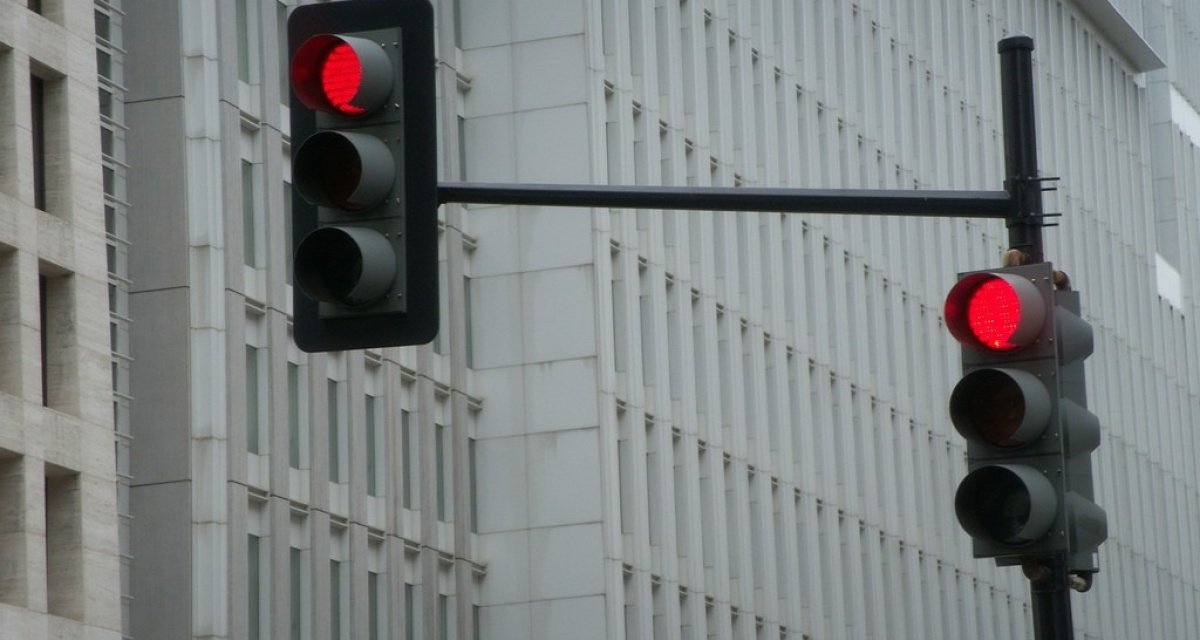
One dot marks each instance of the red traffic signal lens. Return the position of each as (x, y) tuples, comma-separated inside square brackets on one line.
[(997, 312), (993, 314), (342, 75)]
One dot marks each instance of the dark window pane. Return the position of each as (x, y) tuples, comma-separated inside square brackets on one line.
[(37, 107), (102, 26)]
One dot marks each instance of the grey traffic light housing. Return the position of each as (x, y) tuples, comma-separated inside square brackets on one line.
[(1021, 407), (364, 174), (1087, 523)]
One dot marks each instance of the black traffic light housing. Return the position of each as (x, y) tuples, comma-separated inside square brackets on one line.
[(364, 174), (1021, 407)]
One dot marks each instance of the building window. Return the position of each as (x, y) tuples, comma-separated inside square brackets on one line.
[(336, 435), (281, 13), (471, 475), (624, 471), (56, 332), (247, 44), (336, 401), (411, 610), (658, 616), (287, 232), (48, 129), (253, 400), (44, 336), (377, 446), (10, 322), (257, 416), (37, 125), (445, 472), (297, 415), (680, 484), (440, 340), (64, 543), (619, 305), (300, 570), (630, 607), (443, 613), (254, 586), (674, 335), (462, 137), (470, 344), (337, 600), (732, 522), (12, 519), (412, 466), (250, 215), (107, 103), (708, 505), (377, 593), (654, 505), (296, 557), (685, 621), (373, 606), (103, 23)]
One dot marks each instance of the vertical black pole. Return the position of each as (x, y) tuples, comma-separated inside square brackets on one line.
[(1020, 146), (1048, 584), (1052, 601)]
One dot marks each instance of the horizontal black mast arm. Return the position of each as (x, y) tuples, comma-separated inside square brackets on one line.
[(886, 202)]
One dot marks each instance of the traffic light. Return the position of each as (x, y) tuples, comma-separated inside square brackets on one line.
[(1021, 406), (364, 174)]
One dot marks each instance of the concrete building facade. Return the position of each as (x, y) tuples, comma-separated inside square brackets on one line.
[(639, 424), (60, 557)]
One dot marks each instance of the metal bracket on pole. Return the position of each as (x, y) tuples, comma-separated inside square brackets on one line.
[(1049, 584)]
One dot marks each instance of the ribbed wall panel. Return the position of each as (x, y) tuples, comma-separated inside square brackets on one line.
[(802, 362)]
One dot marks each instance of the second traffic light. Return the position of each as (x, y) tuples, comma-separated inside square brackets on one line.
[(1021, 407), (364, 174)]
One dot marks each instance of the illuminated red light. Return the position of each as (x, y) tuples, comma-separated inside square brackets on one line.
[(341, 76), (994, 313)]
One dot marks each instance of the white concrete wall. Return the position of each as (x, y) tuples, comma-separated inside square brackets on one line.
[(59, 544), (735, 365)]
